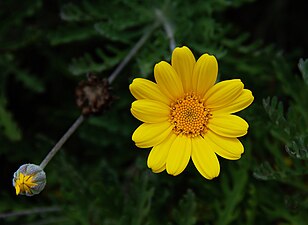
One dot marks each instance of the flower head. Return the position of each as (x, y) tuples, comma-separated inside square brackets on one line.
[(186, 115), (93, 95), (29, 180)]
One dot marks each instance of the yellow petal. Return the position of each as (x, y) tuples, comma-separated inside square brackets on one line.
[(240, 103), (158, 155), (228, 148), (148, 135), (21, 177), (17, 189), (26, 188), (179, 155), (150, 111), (145, 89), (168, 80), (204, 158), (160, 169), (183, 61), (204, 74), (223, 93), (228, 125)]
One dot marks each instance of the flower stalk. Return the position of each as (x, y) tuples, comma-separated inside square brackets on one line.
[(62, 140), (133, 51), (168, 28)]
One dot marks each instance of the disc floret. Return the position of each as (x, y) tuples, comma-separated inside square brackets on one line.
[(189, 115)]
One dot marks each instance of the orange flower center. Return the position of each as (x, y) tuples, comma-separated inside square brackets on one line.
[(189, 115)]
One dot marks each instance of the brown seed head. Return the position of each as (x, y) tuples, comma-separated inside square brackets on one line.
[(93, 95)]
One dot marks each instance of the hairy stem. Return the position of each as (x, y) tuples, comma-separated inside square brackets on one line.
[(32, 211), (168, 28), (133, 51), (62, 140)]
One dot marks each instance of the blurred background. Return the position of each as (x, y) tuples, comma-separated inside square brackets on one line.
[(99, 176)]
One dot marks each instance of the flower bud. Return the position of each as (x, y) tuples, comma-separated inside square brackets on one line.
[(29, 180)]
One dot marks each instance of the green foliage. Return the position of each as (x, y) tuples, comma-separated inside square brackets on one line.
[(185, 214), (8, 125), (100, 176), (303, 67), (288, 169), (234, 194), (290, 132)]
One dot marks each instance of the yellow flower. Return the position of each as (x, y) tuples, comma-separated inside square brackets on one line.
[(24, 183), (29, 180), (185, 114)]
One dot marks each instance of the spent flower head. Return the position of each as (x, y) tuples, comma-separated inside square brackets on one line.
[(29, 180), (186, 115), (93, 95)]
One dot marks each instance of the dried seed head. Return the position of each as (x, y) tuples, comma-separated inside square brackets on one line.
[(29, 180), (93, 95)]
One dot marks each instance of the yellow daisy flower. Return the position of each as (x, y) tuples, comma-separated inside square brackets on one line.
[(186, 115)]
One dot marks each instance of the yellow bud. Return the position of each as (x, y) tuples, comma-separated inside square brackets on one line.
[(29, 180)]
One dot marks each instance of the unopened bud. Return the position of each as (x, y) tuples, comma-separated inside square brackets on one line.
[(29, 180)]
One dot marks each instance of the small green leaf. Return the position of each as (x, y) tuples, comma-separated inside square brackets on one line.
[(185, 213), (9, 126), (303, 67)]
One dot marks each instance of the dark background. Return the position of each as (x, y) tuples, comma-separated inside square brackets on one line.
[(99, 176)]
